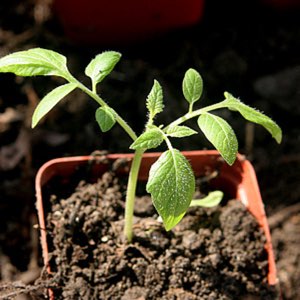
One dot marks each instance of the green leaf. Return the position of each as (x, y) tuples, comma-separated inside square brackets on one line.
[(171, 184), (180, 131), (220, 134), (192, 86), (102, 65), (154, 102), (212, 199), (105, 118), (254, 116), (50, 100), (151, 138), (36, 61)]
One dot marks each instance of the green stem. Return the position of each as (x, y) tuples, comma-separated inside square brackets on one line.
[(94, 88), (135, 166), (170, 147), (101, 102), (196, 113), (131, 190)]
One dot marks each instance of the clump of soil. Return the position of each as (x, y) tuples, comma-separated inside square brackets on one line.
[(212, 254)]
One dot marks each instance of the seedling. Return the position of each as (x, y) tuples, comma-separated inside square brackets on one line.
[(171, 180)]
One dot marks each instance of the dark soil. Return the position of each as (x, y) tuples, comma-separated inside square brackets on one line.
[(212, 254), (245, 47)]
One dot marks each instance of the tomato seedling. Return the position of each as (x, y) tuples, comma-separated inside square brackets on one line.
[(171, 180)]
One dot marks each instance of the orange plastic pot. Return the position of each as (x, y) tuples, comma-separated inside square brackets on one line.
[(102, 21), (238, 181)]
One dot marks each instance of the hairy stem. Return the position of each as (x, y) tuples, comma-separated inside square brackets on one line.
[(196, 113), (101, 102), (135, 166), (131, 190)]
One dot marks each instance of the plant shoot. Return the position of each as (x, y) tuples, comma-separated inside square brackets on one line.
[(171, 180)]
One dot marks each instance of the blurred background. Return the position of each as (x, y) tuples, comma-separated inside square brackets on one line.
[(248, 48)]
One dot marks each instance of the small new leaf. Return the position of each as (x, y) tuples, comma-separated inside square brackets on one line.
[(254, 116), (220, 134), (36, 61), (192, 86), (172, 185), (212, 199), (105, 118), (180, 131), (50, 100), (102, 65), (151, 138), (154, 102)]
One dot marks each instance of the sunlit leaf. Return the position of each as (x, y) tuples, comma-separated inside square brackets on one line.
[(180, 131), (50, 100), (172, 185), (212, 199), (102, 65), (192, 86), (36, 61), (254, 116), (105, 118), (220, 134), (151, 138), (154, 100)]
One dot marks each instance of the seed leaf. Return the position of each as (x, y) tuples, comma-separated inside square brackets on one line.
[(50, 100), (220, 134), (36, 61), (180, 131), (154, 102), (192, 86), (172, 185), (102, 65), (105, 118), (212, 199), (151, 138), (254, 116)]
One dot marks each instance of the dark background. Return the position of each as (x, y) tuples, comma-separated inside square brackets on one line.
[(248, 48)]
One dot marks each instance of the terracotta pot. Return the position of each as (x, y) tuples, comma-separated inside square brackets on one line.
[(239, 181), (102, 21)]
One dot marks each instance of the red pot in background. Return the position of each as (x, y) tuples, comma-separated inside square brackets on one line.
[(238, 181), (102, 21)]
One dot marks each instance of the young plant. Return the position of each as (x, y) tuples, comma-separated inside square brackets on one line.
[(171, 180)]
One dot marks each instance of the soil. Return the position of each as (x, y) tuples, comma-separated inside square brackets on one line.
[(248, 48), (215, 253)]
